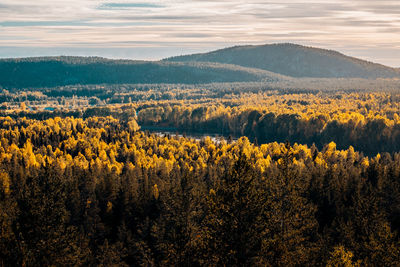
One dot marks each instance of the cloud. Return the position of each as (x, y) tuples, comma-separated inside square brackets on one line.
[(363, 28), (129, 5)]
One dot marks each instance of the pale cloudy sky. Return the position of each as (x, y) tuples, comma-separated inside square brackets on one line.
[(369, 29)]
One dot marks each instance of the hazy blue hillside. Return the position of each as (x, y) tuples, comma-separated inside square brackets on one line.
[(57, 71), (295, 60)]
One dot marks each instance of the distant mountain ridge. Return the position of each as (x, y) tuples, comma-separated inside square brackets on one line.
[(264, 63), (63, 70), (295, 61)]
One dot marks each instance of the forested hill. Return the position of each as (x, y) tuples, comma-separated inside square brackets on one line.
[(58, 71), (278, 62), (296, 61)]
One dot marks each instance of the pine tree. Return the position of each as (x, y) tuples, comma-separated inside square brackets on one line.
[(44, 236), (234, 222), (291, 234)]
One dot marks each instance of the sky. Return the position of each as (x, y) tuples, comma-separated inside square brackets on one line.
[(152, 30)]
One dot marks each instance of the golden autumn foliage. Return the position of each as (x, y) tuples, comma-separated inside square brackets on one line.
[(367, 121), (357, 108), (341, 258), (88, 148), (98, 188), (5, 183)]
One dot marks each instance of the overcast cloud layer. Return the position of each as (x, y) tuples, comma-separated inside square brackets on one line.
[(368, 29)]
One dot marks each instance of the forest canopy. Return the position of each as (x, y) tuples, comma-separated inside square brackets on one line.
[(368, 121), (97, 191), (128, 175)]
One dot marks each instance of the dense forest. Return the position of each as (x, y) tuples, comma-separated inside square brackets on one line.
[(97, 191), (368, 121), (296, 177), (59, 71)]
